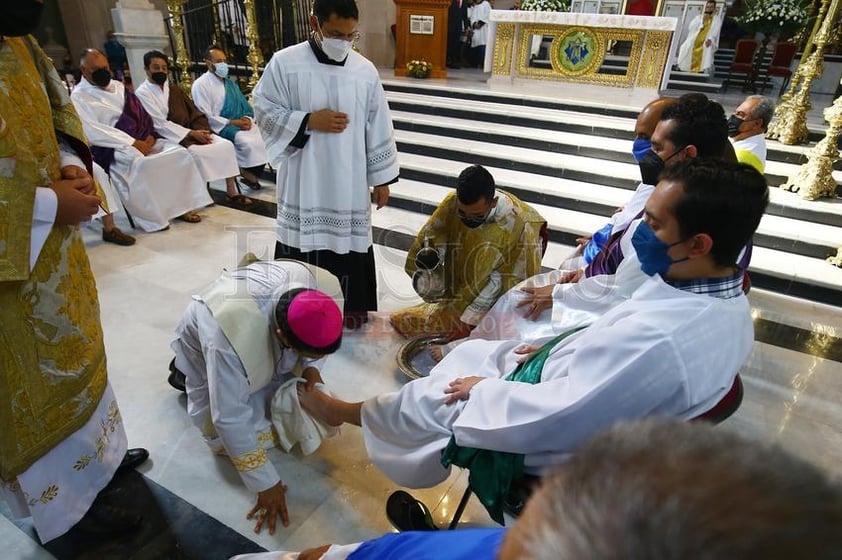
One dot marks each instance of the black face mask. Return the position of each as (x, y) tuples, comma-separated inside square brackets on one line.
[(472, 222), (19, 17), (101, 77), (734, 123), (159, 78), (651, 166)]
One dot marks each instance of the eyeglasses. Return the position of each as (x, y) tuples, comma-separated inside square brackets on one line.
[(351, 37)]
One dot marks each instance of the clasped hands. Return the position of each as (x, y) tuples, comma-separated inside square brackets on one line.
[(539, 299), (75, 195)]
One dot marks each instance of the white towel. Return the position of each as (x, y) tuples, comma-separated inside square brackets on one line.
[(294, 424)]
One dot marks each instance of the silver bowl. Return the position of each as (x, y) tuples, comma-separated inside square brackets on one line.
[(414, 358)]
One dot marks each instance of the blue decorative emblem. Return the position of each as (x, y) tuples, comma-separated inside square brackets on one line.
[(576, 51)]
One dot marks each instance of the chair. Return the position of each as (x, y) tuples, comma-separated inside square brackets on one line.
[(782, 58), (743, 62), (522, 489)]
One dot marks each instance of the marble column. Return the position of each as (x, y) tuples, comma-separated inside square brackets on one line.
[(376, 42), (85, 24), (139, 26)]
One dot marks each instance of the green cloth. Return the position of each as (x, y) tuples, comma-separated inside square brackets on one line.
[(492, 472), (236, 106)]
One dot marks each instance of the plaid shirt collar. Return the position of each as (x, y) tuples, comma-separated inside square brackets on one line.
[(725, 288)]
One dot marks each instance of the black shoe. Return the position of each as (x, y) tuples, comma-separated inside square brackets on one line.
[(104, 522), (176, 379), (405, 513), (133, 459)]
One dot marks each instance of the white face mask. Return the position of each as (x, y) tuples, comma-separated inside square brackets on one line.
[(335, 49)]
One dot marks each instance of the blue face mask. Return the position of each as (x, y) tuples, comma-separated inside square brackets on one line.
[(221, 69), (652, 252), (640, 147)]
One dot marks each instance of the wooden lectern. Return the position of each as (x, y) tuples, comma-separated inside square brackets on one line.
[(421, 32)]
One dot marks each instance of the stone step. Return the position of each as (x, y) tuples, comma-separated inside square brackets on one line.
[(594, 204), (599, 151), (473, 102)]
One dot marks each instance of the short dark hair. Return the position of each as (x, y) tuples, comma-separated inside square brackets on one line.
[(281, 310), (147, 58), (699, 122), (673, 490), (212, 48), (345, 9), (475, 183), (723, 199)]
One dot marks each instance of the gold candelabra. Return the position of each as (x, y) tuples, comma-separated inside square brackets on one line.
[(792, 126), (814, 179), (784, 108), (182, 59), (255, 58)]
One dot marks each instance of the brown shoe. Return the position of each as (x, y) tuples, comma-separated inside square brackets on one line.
[(117, 237)]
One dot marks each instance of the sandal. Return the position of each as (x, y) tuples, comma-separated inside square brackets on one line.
[(405, 513), (239, 200), (253, 185), (190, 217)]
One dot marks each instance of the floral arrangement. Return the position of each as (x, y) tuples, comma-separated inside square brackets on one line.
[(419, 68), (545, 5), (774, 17)]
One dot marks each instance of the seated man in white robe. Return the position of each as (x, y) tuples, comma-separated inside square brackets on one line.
[(245, 342), (642, 486), (230, 115), (672, 349), (156, 179), (694, 127), (747, 129), (178, 120)]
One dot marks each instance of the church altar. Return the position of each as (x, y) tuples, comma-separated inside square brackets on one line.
[(603, 49)]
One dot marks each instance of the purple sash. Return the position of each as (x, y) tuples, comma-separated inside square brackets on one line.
[(134, 121)]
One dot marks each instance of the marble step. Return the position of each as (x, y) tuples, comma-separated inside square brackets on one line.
[(592, 170), (534, 121), (476, 101), (771, 269), (566, 142), (568, 222)]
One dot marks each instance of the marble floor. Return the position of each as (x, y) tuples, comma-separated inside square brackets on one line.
[(793, 384)]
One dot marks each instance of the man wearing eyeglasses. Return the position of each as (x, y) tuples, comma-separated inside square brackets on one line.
[(328, 130)]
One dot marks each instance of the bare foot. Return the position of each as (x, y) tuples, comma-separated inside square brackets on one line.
[(321, 406), (436, 352)]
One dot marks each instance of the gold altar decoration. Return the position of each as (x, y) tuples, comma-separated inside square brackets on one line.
[(182, 59), (512, 54), (814, 179), (255, 57), (783, 111), (503, 48), (793, 126)]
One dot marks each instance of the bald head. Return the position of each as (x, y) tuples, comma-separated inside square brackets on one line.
[(649, 116)]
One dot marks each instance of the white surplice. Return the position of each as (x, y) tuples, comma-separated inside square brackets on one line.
[(664, 352), (155, 188), (756, 145), (217, 160), (574, 304), (209, 96), (234, 419), (481, 12), (323, 188)]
